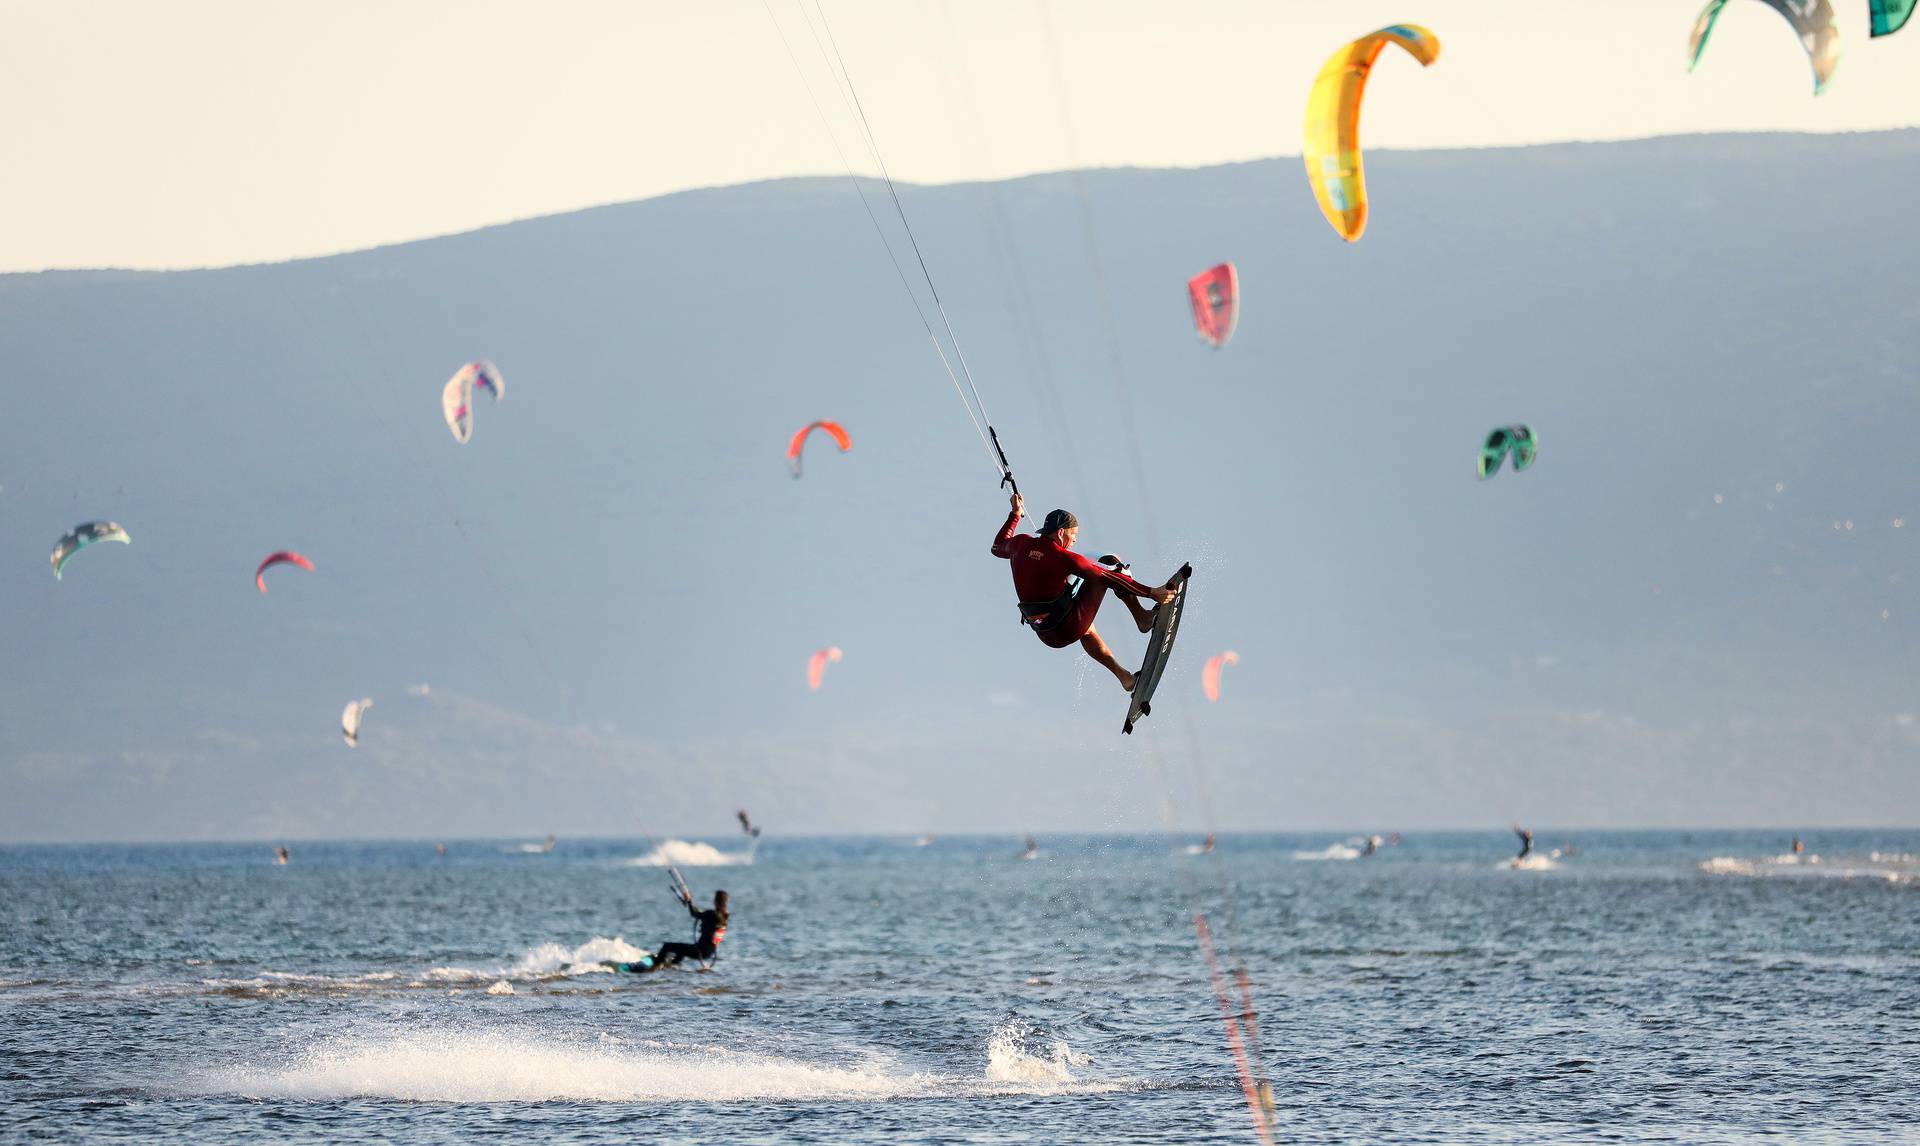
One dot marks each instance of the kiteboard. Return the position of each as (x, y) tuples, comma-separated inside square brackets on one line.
[(1166, 626)]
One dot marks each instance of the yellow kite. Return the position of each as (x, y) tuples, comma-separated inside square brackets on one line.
[(1333, 123)]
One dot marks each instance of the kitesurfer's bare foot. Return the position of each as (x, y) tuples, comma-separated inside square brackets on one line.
[(1144, 618), (1126, 681)]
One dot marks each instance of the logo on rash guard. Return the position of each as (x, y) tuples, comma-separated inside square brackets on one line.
[(719, 933)]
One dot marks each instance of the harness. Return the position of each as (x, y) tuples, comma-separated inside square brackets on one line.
[(1045, 616)]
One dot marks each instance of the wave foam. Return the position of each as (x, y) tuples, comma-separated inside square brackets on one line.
[(555, 959), (495, 1066), (1893, 867), (1010, 1059), (683, 853), (1331, 852)]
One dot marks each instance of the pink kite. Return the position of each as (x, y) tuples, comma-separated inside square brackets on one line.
[(284, 557), (1210, 672), (817, 665), (1215, 295)]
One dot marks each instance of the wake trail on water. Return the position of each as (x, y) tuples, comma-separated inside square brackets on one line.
[(1892, 867), (1331, 852), (544, 962), (468, 1064), (684, 853)]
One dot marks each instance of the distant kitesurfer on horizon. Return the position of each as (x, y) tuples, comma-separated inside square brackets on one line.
[(1798, 847), (1206, 845), (1526, 842), (1044, 565), (281, 855), (1032, 850)]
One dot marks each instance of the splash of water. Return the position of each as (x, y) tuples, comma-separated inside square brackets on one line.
[(492, 1065), (1023, 1055), (682, 853)]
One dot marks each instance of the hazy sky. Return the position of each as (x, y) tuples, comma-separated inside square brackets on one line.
[(167, 135)]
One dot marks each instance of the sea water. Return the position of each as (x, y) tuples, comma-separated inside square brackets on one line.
[(1695, 987)]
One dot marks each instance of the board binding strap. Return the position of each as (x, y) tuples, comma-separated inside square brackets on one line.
[(1166, 626)]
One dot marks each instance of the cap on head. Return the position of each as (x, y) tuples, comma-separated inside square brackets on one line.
[(1060, 519)]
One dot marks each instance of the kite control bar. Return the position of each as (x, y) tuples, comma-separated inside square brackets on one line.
[(679, 885), (1006, 467)]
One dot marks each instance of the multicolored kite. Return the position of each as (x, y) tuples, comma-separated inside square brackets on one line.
[(82, 536), (1889, 16), (1812, 21), (456, 399), (1332, 152), (1516, 440), (1215, 295)]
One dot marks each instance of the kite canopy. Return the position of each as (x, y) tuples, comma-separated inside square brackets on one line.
[(350, 720), (283, 557), (456, 399), (1332, 151), (1812, 21), (817, 665), (1516, 440), (82, 536), (1210, 672), (1215, 295), (1889, 16), (833, 430)]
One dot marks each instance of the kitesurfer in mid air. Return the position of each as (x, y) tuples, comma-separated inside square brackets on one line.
[(1526, 842), (1043, 566)]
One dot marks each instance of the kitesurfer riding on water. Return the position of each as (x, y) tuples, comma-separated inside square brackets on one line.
[(1043, 565), (713, 928)]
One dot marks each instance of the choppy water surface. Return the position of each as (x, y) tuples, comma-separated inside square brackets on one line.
[(1670, 986)]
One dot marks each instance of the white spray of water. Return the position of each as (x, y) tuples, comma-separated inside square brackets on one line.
[(1331, 852), (468, 1065), (682, 853), (545, 960), (1535, 862), (1013, 1058)]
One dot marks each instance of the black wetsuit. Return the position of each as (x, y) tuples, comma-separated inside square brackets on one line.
[(1526, 844), (713, 928)]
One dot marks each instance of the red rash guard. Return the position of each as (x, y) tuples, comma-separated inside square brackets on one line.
[(1041, 570)]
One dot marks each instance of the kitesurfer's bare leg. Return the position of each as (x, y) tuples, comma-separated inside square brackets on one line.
[(1098, 650), (1142, 616)]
